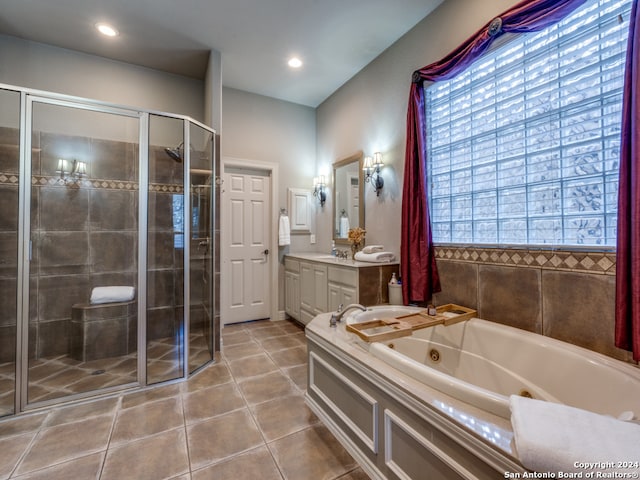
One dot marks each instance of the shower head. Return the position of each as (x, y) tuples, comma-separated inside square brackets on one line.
[(175, 153)]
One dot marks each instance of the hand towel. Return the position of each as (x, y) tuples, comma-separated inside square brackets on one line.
[(377, 257), (284, 231), (373, 248), (112, 294), (344, 227), (551, 437)]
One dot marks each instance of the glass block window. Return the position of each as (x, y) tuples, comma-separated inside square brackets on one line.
[(523, 147)]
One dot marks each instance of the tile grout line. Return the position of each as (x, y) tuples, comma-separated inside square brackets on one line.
[(186, 434), (111, 430)]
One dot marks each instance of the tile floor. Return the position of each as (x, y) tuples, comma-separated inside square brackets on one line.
[(60, 376), (241, 418)]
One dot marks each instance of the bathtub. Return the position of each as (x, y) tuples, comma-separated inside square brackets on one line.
[(482, 363)]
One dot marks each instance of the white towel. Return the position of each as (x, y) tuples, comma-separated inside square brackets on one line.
[(112, 294), (284, 231), (550, 437), (344, 227), (373, 248), (377, 257)]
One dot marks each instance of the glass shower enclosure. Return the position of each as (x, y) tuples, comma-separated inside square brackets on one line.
[(107, 248)]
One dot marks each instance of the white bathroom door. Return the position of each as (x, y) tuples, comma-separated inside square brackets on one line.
[(247, 245)]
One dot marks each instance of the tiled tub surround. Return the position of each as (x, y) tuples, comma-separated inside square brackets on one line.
[(567, 295)]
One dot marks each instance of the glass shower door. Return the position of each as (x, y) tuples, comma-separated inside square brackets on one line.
[(9, 198), (165, 250), (201, 247), (83, 266)]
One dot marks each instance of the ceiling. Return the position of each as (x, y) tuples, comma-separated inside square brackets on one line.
[(334, 38)]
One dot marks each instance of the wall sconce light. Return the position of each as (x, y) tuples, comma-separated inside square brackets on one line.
[(372, 174), (71, 173), (318, 189)]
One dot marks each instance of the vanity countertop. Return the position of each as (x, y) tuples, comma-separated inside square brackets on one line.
[(330, 260)]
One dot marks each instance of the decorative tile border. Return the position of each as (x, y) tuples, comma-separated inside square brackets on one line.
[(55, 181), (574, 261)]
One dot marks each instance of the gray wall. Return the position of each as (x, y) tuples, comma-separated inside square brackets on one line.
[(260, 128), (43, 67)]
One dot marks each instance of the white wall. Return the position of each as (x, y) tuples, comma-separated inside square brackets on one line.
[(43, 67), (369, 112)]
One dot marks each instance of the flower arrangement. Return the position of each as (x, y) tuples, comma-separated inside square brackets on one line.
[(355, 236)]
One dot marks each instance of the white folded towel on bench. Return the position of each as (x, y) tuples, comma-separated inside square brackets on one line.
[(373, 248), (112, 294)]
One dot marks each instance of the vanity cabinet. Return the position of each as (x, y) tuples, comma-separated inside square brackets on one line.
[(316, 284), (292, 287), (342, 287), (313, 290)]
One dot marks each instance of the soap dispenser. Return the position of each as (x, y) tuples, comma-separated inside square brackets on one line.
[(334, 252)]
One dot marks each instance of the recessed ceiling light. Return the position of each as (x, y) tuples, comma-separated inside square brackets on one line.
[(294, 62), (106, 29)]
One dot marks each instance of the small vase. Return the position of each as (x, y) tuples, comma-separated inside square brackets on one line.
[(354, 249)]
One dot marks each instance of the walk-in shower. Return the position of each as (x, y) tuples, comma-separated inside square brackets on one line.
[(107, 269)]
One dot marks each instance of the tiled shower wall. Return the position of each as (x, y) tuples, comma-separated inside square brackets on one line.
[(561, 294), (85, 234)]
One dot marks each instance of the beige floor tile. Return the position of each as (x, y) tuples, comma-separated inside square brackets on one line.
[(290, 357), (66, 442), (252, 366), (256, 464), (267, 387), (266, 332), (210, 402), (21, 424), (298, 375), (280, 343), (213, 375), (152, 458), (84, 468), (221, 437), (283, 416), (11, 449), (311, 453), (243, 350), (356, 474), (235, 338), (291, 327), (147, 419), (73, 413), (150, 395)]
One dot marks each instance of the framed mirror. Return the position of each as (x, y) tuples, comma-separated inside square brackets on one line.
[(348, 196)]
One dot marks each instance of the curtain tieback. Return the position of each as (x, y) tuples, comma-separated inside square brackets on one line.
[(495, 27)]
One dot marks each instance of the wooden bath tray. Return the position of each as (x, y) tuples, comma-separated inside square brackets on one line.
[(384, 329), (454, 314)]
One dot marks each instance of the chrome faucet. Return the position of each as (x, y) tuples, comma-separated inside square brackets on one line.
[(339, 313)]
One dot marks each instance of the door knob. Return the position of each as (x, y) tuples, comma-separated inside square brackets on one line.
[(266, 252)]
